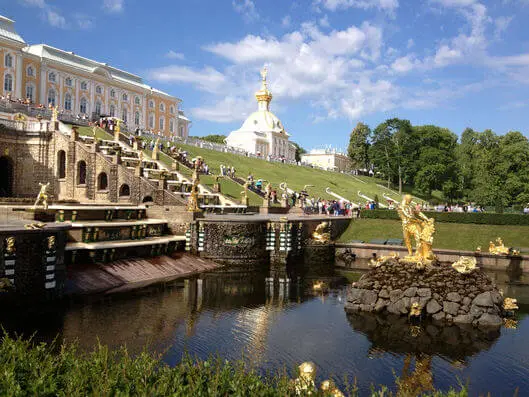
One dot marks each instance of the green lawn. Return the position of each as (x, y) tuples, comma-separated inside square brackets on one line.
[(295, 176), (100, 133), (448, 235)]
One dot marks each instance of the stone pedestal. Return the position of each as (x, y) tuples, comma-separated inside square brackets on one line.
[(216, 187), (437, 292)]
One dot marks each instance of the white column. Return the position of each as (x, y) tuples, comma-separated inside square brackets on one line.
[(92, 98), (60, 99), (76, 87), (106, 107), (143, 122), (18, 74), (43, 76)]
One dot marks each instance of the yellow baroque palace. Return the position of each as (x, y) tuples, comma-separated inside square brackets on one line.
[(84, 88)]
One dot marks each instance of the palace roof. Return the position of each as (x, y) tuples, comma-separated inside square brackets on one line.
[(7, 30)]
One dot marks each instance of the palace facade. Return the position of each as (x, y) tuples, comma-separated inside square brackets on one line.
[(83, 87), (327, 159)]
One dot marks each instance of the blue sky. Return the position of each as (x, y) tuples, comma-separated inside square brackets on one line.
[(332, 63)]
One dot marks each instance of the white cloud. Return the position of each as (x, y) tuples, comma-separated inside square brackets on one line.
[(405, 64), (84, 22), (174, 55), (55, 19), (34, 3), (500, 26), (513, 105), (207, 79), (324, 21), (333, 5), (114, 6), (410, 43), (247, 9), (226, 110), (286, 21)]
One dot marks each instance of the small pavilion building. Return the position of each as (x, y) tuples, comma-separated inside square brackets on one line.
[(262, 133)]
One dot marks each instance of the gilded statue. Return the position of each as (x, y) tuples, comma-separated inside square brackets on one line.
[(418, 226), (321, 233), (268, 191), (244, 193), (465, 264), (51, 242), (117, 128), (192, 205), (54, 113), (10, 245), (42, 197), (499, 248)]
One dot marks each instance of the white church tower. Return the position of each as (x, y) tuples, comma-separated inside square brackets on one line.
[(263, 133)]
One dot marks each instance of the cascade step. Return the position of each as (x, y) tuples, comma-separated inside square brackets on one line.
[(98, 245)]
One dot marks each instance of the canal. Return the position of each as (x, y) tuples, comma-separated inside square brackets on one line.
[(275, 327)]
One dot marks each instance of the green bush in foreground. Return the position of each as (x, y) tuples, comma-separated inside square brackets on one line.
[(40, 370)]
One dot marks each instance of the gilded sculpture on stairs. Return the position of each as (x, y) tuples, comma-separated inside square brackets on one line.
[(42, 197)]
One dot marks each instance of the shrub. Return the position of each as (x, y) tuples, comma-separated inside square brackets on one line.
[(480, 218)]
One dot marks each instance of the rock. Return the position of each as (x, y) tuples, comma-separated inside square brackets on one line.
[(383, 294), (476, 311), (395, 295), (380, 305), (484, 300), (450, 308), (410, 292), (362, 296), (393, 309), (424, 292), (497, 299), (453, 297), (490, 320), (433, 307), (466, 301), (463, 319), (439, 316)]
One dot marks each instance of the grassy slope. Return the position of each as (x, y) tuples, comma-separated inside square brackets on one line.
[(100, 133), (448, 235), (295, 176)]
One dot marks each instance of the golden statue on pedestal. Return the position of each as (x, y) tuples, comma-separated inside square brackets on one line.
[(418, 226), (499, 248), (322, 234), (42, 196), (192, 205)]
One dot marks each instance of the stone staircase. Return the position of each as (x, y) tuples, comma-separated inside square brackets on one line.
[(105, 233)]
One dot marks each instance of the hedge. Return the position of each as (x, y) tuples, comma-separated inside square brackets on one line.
[(481, 218)]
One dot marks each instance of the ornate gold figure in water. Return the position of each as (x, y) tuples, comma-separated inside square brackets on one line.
[(499, 248), (321, 233), (418, 226), (10, 245)]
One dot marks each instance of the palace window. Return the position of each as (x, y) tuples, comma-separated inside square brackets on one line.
[(124, 190), (125, 97), (171, 125), (61, 164), (162, 107), (137, 100), (162, 123), (112, 93), (98, 108), (112, 111), (171, 109), (137, 118), (124, 115), (30, 71), (83, 105), (52, 77), (102, 181), (84, 85), (151, 104), (68, 82), (30, 92), (181, 131), (81, 172), (151, 120), (8, 83), (51, 97), (8, 61), (67, 102), (99, 90)]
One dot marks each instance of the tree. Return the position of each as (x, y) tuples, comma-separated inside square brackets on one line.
[(299, 151), (393, 150), (215, 138), (358, 149)]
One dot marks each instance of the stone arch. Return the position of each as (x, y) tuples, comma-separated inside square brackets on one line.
[(61, 164), (81, 172), (102, 181), (124, 190), (147, 199), (6, 176)]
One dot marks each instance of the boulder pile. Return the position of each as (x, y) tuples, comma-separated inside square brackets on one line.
[(441, 292)]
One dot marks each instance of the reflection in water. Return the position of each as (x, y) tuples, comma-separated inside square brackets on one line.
[(276, 326)]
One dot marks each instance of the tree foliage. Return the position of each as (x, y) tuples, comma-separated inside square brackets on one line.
[(358, 149), (215, 138)]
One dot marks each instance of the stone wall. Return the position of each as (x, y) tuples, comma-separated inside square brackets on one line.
[(34, 266)]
